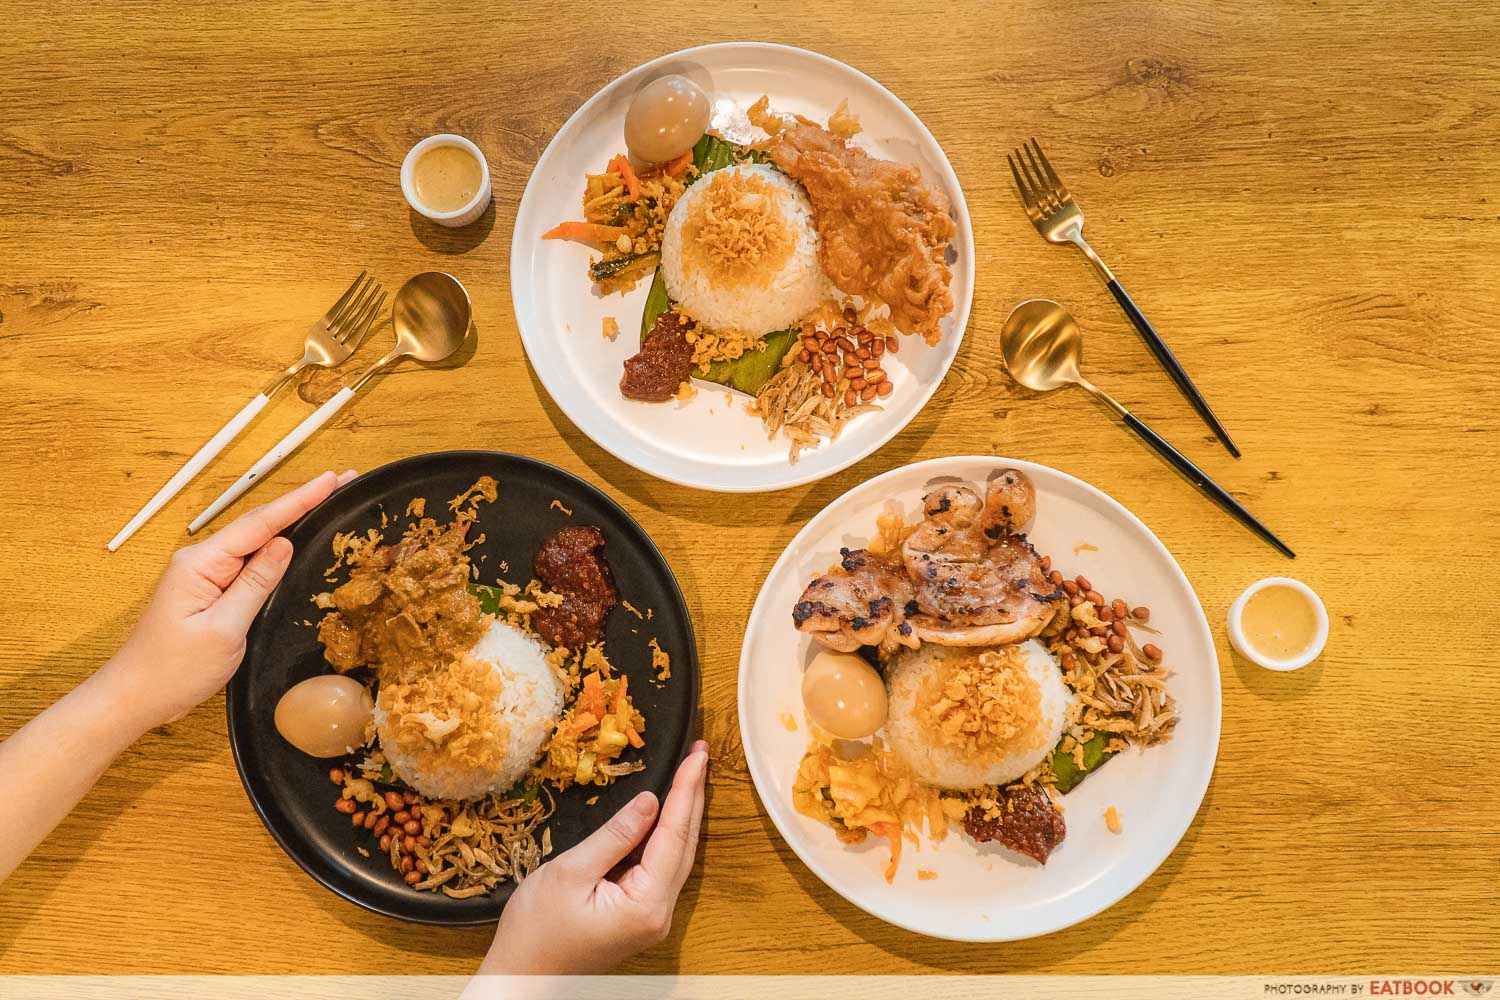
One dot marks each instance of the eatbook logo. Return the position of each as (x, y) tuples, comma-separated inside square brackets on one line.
[(1477, 987)]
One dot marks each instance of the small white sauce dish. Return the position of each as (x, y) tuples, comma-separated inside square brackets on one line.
[(1242, 644), (476, 205)]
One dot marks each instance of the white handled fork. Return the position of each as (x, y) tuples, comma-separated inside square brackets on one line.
[(330, 342)]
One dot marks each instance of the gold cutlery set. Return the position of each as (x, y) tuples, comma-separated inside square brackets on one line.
[(1043, 346), (431, 316)]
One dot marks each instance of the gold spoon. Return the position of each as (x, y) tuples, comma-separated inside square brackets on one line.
[(1043, 346), (431, 316)]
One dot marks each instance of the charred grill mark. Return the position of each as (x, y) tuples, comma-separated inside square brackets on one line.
[(802, 611)]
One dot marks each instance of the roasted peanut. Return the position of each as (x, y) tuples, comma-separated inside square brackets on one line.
[(412, 827), (336, 775), (401, 816), (892, 345), (1055, 578), (1152, 651), (358, 818), (883, 388), (1116, 644), (409, 842), (346, 806), (393, 800), (828, 391), (851, 398), (1118, 607), (412, 877), (1083, 582), (867, 393), (371, 818), (1119, 629), (381, 825), (1046, 564), (1094, 597), (1070, 588), (1141, 614), (385, 842)]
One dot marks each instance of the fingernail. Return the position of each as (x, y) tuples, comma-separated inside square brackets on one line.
[(640, 807)]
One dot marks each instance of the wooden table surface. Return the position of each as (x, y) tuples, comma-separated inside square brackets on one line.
[(1305, 199)]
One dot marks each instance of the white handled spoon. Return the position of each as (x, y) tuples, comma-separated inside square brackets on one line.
[(431, 316)]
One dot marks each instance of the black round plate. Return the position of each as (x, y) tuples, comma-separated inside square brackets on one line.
[(291, 791)]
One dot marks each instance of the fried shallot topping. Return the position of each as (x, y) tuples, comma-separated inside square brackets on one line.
[(736, 232), (980, 705)]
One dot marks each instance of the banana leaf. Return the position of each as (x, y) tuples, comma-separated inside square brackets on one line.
[(489, 598), (751, 371), (1067, 770)]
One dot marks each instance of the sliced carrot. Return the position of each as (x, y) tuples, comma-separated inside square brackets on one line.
[(621, 165), (634, 737), (676, 168), (584, 721), (591, 698), (892, 833), (593, 233), (622, 708)]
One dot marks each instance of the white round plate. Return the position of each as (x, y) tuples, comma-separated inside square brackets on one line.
[(709, 442), (981, 893)]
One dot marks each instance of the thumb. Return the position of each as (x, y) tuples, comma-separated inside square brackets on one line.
[(248, 592), (607, 846)]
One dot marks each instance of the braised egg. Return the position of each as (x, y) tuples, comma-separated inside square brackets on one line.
[(668, 116), (844, 695), (325, 716)]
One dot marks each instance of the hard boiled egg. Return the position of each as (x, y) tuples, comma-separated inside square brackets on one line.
[(325, 716), (844, 695), (668, 116)]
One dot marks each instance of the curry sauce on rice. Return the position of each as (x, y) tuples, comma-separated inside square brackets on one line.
[(489, 699)]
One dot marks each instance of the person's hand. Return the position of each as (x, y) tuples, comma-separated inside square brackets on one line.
[(569, 918), (191, 637)]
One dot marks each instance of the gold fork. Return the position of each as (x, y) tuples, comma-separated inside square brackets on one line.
[(330, 341), (1058, 218)]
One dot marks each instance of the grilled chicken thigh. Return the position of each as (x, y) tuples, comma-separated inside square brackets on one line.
[(966, 576), (860, 602)]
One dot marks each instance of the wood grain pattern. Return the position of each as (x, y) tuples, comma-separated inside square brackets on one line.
[(1304, 198)]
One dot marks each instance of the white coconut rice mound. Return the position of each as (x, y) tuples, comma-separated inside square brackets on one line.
[(529, 704), (757, 300), (946, 766)]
